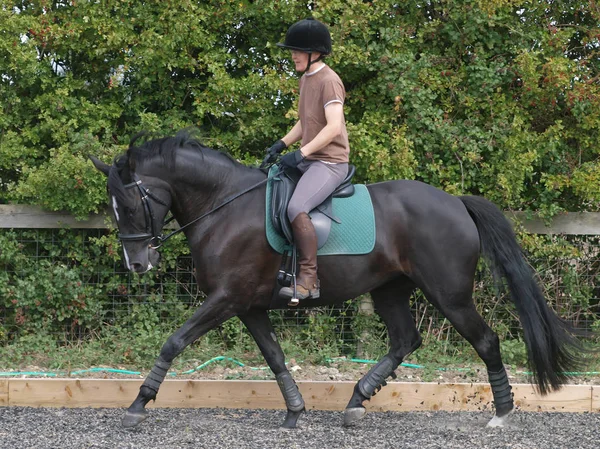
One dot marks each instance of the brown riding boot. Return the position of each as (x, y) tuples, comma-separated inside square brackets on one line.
[(307, 284)]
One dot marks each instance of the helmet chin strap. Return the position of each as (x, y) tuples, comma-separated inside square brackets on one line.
[(310, 61)]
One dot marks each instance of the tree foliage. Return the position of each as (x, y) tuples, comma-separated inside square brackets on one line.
[(493, 98)]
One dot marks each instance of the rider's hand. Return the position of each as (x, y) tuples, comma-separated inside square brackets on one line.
[(291, 160), (277, 147), (273, 152)]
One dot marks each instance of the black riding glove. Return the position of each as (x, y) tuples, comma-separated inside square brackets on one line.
[(291, 160), (272, 152), (277, 147)]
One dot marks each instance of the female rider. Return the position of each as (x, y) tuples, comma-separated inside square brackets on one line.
[(323, 155)]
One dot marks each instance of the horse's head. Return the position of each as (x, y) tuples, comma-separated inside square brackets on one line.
[(140, 204), (149, 178)]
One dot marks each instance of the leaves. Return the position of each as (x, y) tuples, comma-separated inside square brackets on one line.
[(499, 99)]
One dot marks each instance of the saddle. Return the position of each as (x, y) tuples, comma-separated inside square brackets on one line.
[(283, 187)]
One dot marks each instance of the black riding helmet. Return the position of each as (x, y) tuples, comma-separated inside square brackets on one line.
[(308, 35)]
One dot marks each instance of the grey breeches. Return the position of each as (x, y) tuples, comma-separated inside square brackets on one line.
[(318, 181)]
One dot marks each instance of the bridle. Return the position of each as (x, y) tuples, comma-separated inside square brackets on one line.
[(157, 238), (151, 233)]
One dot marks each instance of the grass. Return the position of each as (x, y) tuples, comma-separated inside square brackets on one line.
[(438, 358)]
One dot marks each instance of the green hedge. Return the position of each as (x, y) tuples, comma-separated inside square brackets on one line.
[(494, 98)]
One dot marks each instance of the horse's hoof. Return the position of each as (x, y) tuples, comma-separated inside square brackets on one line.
[(133, 419), (291, 419), (499, 421), (353, 415)]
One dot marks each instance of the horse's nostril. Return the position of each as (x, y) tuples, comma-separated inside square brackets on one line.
[(138, 268)]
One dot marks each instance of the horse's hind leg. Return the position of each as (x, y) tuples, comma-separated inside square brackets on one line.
[(459, 308), (392, 303), (258, 323)]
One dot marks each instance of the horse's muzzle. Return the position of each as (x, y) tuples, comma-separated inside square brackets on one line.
[(144, 261)]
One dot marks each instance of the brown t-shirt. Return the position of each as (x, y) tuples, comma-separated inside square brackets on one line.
[(317, 91)]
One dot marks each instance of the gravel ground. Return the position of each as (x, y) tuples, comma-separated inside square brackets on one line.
[(23, 428)]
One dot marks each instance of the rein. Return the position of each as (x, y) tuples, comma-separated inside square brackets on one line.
[(149, 213)]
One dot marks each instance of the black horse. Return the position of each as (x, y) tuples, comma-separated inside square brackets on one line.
[(426, 239)]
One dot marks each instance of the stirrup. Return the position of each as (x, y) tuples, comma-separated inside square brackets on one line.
[(291, 293)]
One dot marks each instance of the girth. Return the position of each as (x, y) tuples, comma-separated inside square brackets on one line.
[(283, 187)]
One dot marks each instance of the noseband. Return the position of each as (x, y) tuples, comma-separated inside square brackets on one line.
[(156, 238)]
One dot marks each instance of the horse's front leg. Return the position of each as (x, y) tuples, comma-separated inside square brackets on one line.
[(213, 312), (259, 325)]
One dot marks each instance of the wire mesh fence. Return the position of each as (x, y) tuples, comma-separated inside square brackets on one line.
[(72, 285)]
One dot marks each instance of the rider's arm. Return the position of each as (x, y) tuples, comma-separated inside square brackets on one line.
[(294, 135), (334, 114)]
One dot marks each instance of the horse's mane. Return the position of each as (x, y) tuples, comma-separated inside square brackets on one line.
[(165, 148)]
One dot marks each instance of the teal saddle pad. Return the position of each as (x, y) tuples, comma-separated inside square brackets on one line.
[(354, 235)]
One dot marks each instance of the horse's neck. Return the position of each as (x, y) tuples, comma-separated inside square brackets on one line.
[(204, 183)]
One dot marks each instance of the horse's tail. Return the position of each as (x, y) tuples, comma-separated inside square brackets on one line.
[(552, 347)]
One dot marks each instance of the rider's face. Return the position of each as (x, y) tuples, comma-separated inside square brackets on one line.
[(300, 59)]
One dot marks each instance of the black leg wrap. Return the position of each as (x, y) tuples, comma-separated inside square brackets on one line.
[(291, 394), (502, 391), (157, 374), (376, 376)]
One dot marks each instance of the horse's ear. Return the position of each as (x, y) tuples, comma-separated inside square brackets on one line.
[(104, 168)]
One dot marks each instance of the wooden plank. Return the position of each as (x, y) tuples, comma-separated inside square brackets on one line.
[(323, 395), (14, 216), (72, 392), (220, 393), (400, 396), (120, 393), (571, 398), (397, 396), (570, 223), (595, 399), (413, 396), (416, 396), (33, 217), (4, 392)]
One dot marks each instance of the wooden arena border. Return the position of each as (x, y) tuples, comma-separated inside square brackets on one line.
[(255, 394)]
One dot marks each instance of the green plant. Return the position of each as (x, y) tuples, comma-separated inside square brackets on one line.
[(514, 352)]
